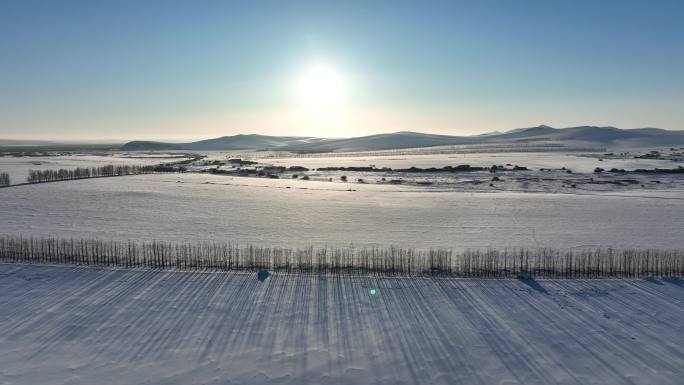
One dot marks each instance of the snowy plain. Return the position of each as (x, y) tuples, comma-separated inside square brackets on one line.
[(578, 162), (77, 325), (66, 325), (548, 172), (295, 213)]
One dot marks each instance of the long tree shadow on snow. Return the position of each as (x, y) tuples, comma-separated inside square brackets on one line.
[(532, 283), (675, 281)]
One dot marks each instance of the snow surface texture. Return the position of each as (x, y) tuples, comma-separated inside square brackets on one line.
[(66, 325), (196, 207)]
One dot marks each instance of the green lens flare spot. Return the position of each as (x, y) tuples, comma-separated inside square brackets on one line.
[(373, 291)]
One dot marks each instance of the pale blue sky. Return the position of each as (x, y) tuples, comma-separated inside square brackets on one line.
[(197, 69)]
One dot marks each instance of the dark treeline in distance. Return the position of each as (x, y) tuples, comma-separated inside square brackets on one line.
[(593, 263), (4, 179), (413, 169), (40, 176)]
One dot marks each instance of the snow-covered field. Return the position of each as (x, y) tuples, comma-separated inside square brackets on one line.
[(63, 325), (295, 213), (71, 325), (537, 172), (535, 160)]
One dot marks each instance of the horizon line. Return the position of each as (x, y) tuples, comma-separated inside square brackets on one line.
[(104, 141)]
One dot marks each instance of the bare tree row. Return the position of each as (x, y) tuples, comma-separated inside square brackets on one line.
[(384, 261), (40, 176)]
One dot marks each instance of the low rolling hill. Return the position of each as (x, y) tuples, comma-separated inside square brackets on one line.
[(588, 135)]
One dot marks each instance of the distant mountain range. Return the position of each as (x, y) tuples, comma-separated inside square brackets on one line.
[(585, 135)]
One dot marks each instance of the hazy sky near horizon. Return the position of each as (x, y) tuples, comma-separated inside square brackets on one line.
[(76, 70)]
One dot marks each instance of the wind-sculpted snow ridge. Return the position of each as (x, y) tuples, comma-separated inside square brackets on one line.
[(588, 263), (73, 325)]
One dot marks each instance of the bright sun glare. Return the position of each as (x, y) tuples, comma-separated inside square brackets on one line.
[(321, 88)]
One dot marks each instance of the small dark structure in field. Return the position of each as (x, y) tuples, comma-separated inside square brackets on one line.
[(262, 275), (4, 179)]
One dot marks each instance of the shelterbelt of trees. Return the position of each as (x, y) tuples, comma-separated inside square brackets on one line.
[(522, 263), (41, 176)]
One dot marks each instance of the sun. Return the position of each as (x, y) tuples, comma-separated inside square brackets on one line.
[(321, 88)]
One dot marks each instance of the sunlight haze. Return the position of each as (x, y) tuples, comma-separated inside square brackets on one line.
[(171, 70)]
